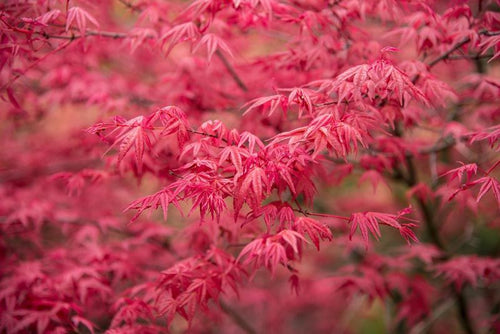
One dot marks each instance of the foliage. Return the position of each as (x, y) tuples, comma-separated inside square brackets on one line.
[(249, 166)]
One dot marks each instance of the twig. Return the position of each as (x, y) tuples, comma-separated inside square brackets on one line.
[(231, 71), (459, 45), (450, 51), (25, 174), (428, 214), (219, 54)]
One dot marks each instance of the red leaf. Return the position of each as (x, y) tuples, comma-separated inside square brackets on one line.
[(81, 17)]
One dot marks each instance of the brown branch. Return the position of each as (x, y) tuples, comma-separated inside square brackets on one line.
[(450, 51), (231, 71), (427, 210), (130, 6), (27, 174), (36, 62), (459, 45), (219, 54)]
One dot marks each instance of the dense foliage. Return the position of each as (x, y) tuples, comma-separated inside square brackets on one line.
[(228, 166)]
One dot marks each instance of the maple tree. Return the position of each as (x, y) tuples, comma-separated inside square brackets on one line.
[(249, 166)]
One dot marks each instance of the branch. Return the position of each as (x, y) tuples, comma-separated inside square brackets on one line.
[(17, 76), (226, 63), (27, 174), (231, 71), (459, 45), (429, 218), (450, 51), (130, 6)]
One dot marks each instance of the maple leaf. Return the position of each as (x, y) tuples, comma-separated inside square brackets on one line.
[(380, 79), (324, 132), (487, 183), (293, 239), (198, 7), (314, 229), (469, 269), (374, 177), (264, 252), (236, 155), (209, 198), (369, 222), (268, 104), (47, 17), (468, 171), (303, 99), (252, 187), (491, 42), (162, 198), (173, 120), (183, 32), (251, 140), (492, 135), (129, 311), (438, 92), (80, 16), (139, 36), (132, 133), (212, 43)]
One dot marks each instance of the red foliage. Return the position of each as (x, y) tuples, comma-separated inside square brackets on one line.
[(250, 127)]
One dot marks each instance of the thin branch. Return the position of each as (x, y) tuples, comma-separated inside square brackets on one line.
[(324, 215), (130, 6), (427, 211), (459, 45), (27, 174), (472, 57), (450, 51), (207, 135), (219, 54), (231, 71)]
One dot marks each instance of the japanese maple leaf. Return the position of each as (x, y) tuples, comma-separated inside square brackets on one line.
[(302, 97), (252, 188), (370, 221), (162, 198), (469, 269), (236, 155), (468, 171), (264, 252), (212, 43), (47, 17), (183, 32), (268, 104), (133, 133), (491, 42), (138, 36), (80, 17), (488, 183), (173, 120), (492, 135), (314, 229)]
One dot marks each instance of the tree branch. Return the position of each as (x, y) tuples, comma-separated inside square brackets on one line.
[(231, 71), (427, 210)]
